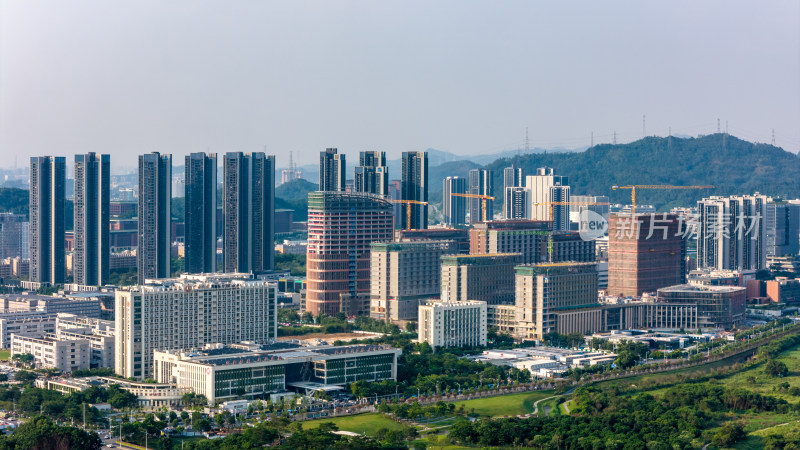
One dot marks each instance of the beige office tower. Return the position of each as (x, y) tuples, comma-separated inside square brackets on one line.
[(548, 296), (405, 274)]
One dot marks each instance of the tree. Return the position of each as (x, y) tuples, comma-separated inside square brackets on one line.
[(776, 368), (729, 434), (23, 358), (25, 376), (41, 433)]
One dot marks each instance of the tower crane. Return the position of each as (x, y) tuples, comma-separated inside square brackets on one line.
[(551, 204), (408, 204), (633, 189), (482, 197), (550, 218)]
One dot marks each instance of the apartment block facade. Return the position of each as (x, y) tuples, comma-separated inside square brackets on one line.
[(155, 216), (404, 275), (452, 324), (190, 312), (47, 220), (91, 257)]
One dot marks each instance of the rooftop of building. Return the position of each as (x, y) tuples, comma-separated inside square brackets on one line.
[(397, 246), (453, 304), (227, 355), (348, 201), (480, 259), (560, 268), (701, 288), (515, 224), (199, 281)]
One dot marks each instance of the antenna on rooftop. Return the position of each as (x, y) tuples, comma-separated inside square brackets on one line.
[(718, 130)]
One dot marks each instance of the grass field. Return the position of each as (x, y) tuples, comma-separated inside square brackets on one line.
[(5, 354), (368, 423), (504, 405), (759, 429)]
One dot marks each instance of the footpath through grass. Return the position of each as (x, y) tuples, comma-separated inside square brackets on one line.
[(368, 423), (504, 405)]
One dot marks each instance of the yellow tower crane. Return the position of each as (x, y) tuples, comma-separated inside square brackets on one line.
[(408, 204), (633, 189), (551, 204), (482, 197)]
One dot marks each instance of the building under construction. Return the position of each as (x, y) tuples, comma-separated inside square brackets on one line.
[(341, 227), (645, 254), (534, 239)]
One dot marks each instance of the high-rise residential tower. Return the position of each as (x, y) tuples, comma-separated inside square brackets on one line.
[(200, 213), (341, 228), (731, 232), (248, 203), (454, 208), (372, 174), (544, 189), (47, 201), (513, 178), (332, 168), (480, 183), (14, 236), (155, 216), (414, 180), (782, 229), (90, 264)]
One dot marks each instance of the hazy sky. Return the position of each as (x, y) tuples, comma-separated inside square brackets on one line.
[(130, 77)]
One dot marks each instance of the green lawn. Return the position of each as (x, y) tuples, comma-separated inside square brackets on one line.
[(504, 405), (5, 355), (368, 423), (759, 426)]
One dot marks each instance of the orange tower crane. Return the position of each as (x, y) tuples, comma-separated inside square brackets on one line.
[(551, 204), (408, 204), (480, 196), (633, 189)]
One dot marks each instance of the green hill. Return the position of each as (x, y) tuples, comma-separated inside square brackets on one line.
[(295, 189), (14, 200), (732, 165)]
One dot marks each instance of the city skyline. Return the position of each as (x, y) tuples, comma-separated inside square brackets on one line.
[(464, 81)]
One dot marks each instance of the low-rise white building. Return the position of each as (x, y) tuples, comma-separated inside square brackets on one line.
[(148, 395), (25, 323), (51, 352), (453, 324), (221, 373), (99, 333)]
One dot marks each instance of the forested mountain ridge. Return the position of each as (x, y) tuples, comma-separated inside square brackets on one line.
[(730, 164)]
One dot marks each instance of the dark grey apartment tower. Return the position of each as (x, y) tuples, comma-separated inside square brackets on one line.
[(155, 196), (513, 177), (248, 204), (90, 260), (48, 177), (372, 174), (414, 180), (200, 213), (331, 170), (480, 183), (454, 207)]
